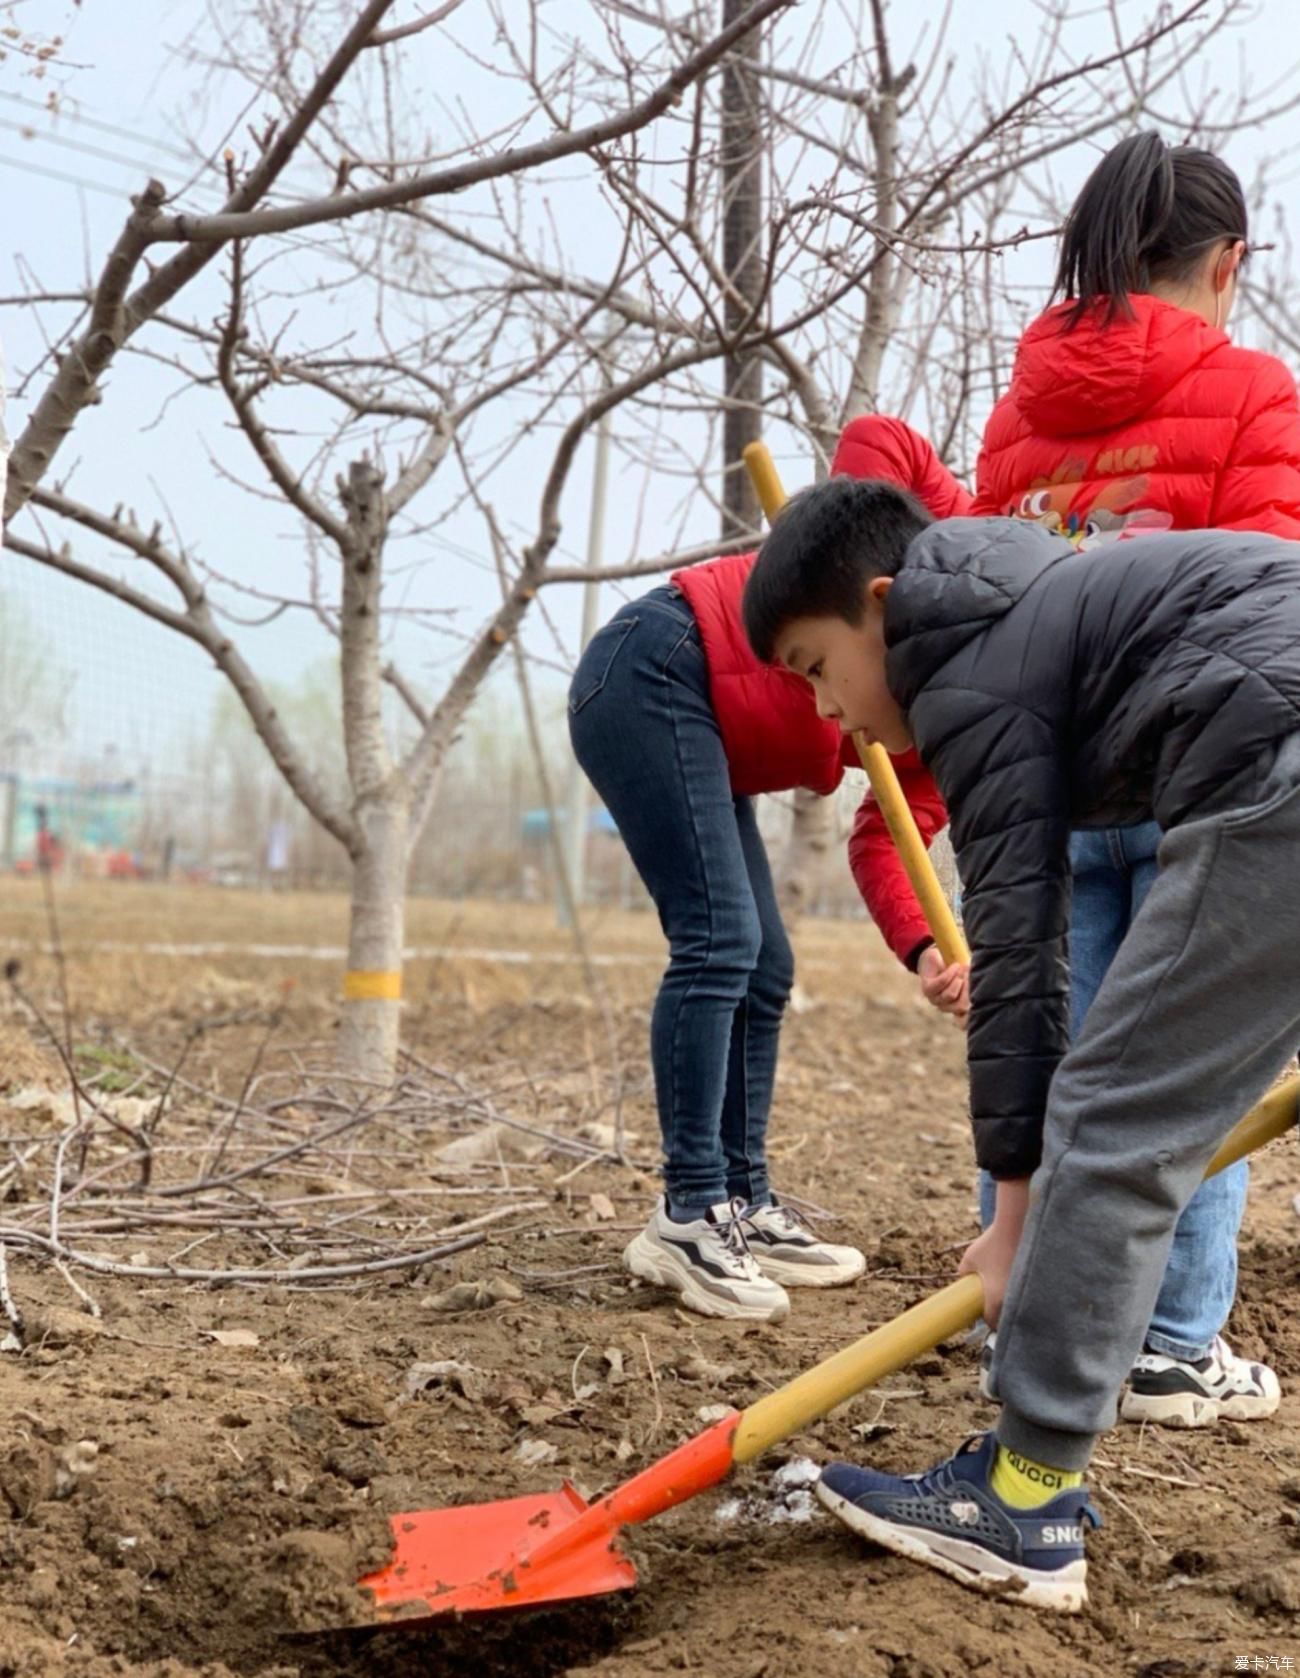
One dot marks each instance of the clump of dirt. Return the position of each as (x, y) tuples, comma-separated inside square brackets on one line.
[(213, 1527)]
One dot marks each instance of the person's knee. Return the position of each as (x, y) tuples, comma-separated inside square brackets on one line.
[(725, 945), (1144, 1189), (773, 976)]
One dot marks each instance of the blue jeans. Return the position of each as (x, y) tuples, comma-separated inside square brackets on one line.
[(643, 728), (1113, 870)]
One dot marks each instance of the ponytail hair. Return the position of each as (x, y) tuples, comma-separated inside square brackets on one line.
[(1147, 212)]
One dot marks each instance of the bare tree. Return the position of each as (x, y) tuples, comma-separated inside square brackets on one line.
[(900, 271), (398, 403), (476, 352)]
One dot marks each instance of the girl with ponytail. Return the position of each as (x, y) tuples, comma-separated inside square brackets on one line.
[(1129, 405)]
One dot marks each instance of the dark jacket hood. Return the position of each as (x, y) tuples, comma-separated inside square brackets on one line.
[(957, 577)]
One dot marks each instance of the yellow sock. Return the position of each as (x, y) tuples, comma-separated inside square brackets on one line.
[(1027, 1485)]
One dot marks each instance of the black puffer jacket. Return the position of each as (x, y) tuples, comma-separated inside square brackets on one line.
[(1047, 690)]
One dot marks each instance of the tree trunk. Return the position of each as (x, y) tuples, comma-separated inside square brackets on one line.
[(812, 827), (369, 1030), (889, 278), (381, 808), (741, 156), (812, 821)]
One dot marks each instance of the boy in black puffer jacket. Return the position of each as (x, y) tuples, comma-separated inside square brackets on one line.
[(1047, 690)]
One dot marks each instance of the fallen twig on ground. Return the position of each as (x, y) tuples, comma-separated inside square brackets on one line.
[(303, 1177), (14, 1340), (175, 1273)]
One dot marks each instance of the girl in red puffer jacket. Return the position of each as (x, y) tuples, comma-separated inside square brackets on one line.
[(677, 726), (1130, 409)]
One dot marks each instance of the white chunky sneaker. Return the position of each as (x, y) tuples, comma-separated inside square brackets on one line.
[(788, 1249), (707, 1263), (1173, 1393), (1223, 1386)]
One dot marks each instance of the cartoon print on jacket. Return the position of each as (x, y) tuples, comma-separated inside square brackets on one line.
[(1059, 505)]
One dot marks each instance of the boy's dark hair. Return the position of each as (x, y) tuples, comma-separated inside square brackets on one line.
[(1148, 212), (825, 546)]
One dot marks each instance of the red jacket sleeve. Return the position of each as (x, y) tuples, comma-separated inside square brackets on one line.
[(1259, 485), (877, 446), (878, 868)]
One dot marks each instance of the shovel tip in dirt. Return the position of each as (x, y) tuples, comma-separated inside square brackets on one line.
[(546, 1547)]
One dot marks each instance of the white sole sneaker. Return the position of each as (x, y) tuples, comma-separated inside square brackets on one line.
[(1063, 1592), (1220, 1387), (1188, 1409), (645, 1257), (793, 1275), (786, 1248)]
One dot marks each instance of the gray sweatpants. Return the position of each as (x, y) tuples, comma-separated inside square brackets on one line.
[(1198, 1013)]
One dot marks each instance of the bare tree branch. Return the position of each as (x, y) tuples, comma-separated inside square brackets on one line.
[(74, 386), (282, 475), (414, 704), (404, 31), (340, 207), (743, 543), (114, 321)]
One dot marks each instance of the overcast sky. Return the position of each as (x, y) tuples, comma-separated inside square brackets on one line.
[(128, 101)]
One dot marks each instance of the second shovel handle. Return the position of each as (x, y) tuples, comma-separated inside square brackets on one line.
[(875, 760), (911, 849)]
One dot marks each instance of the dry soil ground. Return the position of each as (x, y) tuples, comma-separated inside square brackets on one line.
[(235, 1487)]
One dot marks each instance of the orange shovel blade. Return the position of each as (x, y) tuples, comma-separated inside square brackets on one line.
[(547, 1548), (464, 1561)]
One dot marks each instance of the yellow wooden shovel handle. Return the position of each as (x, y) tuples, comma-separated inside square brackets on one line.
[(954, 1308), (765, 478), (911, 848), (886, 1349), (875, 760)]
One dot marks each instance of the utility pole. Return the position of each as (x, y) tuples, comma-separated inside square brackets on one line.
[(575, 846), (741, 155)]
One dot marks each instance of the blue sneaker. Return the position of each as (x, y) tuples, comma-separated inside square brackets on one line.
[(951, 1520)]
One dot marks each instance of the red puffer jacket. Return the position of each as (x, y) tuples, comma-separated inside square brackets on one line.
[(1158, 421), (1105, 431), (768, 719)]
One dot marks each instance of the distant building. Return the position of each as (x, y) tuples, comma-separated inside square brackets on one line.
[(94, 822)]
